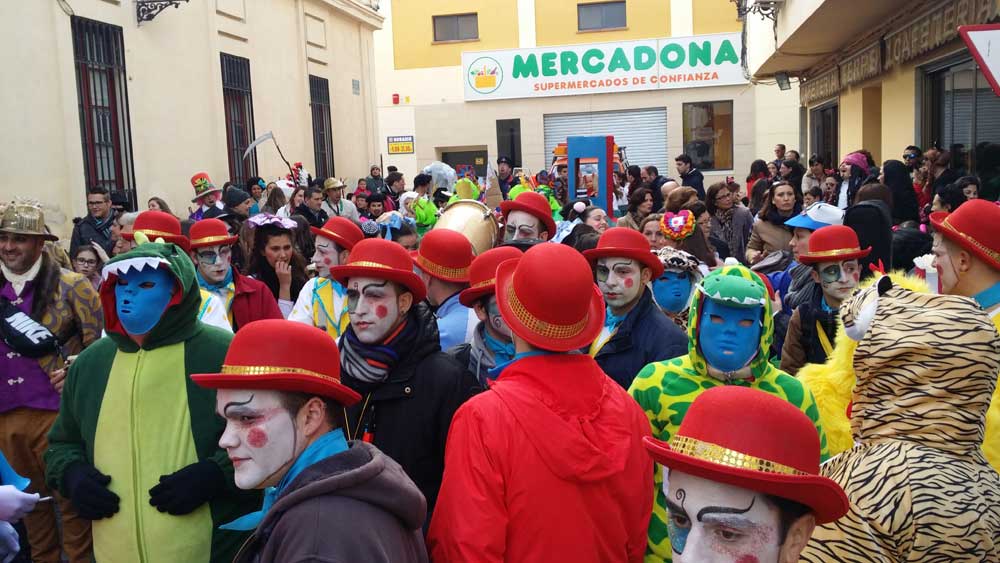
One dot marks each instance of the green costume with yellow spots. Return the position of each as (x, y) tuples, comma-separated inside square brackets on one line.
[(665, 390)]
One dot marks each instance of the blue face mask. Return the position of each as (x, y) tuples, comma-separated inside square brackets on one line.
[(672, 290), (141, 297), (729, 336)]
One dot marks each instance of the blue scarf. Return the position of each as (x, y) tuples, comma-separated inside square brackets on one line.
[(494, 372), (611, 321), (503, 352), (215, 287), (328, 445), (989, 297)]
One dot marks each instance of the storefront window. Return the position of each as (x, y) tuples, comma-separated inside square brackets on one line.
[(823, 125), (708, 134), (965, 118)]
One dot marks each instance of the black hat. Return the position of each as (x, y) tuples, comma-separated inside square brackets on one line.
[(505, 160), (234, 196), (376, 197)]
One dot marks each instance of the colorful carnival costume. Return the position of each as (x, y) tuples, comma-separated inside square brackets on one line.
[(136, 441), (919, 485), (666, 389)]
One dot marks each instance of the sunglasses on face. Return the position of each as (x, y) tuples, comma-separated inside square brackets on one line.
[(909, 156)]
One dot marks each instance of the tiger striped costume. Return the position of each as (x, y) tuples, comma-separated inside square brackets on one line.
[(665, 390), (919, 485)]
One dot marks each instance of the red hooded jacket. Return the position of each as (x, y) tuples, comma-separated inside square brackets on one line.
[(548, 465), (253, 301)]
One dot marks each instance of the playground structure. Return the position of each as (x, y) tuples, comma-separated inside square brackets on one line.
[(592, 162)]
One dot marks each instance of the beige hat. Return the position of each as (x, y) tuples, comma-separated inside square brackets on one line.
[(332, 184), (25, 219)]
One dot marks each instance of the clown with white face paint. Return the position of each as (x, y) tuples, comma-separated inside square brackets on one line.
[(527, 217), (635, 333), (761, 508), (833, 256), (322, 302), (283, 434), (729, 335)]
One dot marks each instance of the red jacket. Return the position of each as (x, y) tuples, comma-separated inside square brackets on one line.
[(548, 465), (253, 301)]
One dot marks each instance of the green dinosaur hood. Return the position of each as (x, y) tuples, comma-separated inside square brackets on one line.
[(736, 286), (180, 319)]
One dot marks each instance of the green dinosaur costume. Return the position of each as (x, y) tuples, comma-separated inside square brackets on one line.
[(665, 390), (134, 414)]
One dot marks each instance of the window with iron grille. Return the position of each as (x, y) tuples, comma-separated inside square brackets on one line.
[(238, 105), (99, 58), (319, 101)]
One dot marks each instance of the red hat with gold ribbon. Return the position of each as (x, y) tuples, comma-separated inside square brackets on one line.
[(382, 260), (445, 254), (973, 226), (344, 232), (834, 243), (210, 232), (483, 273), (157, 224), (280, 355)]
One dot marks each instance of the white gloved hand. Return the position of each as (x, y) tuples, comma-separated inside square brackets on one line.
[(9, 542), (14, 504)]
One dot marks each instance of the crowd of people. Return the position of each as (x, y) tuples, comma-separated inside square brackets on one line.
[(291, 372)]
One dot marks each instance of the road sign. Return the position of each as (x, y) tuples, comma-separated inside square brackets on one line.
[(401, 145), (984, 44)]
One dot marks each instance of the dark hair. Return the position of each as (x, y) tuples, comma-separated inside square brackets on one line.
[(651, 218), (562, 167), (782, 145), (275, 200), (817, 159), (951, 196), (683, 157), (637, 198), (293, 401), (758, 169), (421, 180), (99, 190), (567, 210), (392, 178), (797, 155), (260, 269), (765, 210), (874, 191), (312, 190), (291, 198), (815, 191), (697, 208), (652, 171), (758, 197), (789, 512), (582, 237), (404, 230), (163, 205), (252, 181), (634, 174), (390, 169), (87, 248), (966, 181), (712, 193), (376, 197), (914, 148), (679, 197)]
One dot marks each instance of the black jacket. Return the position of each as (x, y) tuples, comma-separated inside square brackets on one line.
[(656, 186), (409, 414), (88, 229), (695, 179), (645, 336), (315, 218)]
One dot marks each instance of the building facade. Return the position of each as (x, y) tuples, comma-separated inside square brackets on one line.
[(466, 82), (98, 94), (894, 73)]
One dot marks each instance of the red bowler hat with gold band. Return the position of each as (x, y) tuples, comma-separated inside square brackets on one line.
[(532, 203), (774, 449), (445, 254), (620, 242), (210, 232), (157, 224), (974, 227), (483, 273), (834, 243), (382, 260), (280, 355), (344, 232), (561, 315)]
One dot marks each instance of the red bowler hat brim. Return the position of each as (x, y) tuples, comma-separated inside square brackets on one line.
[(512, 205), (647, 258), (822, 495), (281, 381), (836, 256), (593, 323), (213, 241), (468, 297), (335, 237), (410, 280), (966, 242)]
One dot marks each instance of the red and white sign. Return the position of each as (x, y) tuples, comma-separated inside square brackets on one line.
[(984, 44)]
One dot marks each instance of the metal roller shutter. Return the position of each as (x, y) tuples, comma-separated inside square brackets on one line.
[(642, 131)]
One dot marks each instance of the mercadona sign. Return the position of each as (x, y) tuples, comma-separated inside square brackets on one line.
[(597, 68)]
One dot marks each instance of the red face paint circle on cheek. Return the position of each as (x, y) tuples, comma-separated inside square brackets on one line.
[(327, 261), (381, 311), (629, 282), (257, 438), (747, 559)]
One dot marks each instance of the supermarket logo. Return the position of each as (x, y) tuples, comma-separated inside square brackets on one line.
[(485, 75)]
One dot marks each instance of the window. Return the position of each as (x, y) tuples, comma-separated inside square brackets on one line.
[(605, 15), (509, 139), (238, 104), (965, 118), (459, 27), (98, 53), (823, 124), (319, 101), (708, 134)]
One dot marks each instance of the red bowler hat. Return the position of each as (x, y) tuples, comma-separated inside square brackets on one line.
[(559, 314), (280, 355), (445, 254), (340, 230), (974, 227), (773, 450), (483, 273), (834, 243), (384, 260), (533, 203), (620, 242), (157, 224), (210, 232)]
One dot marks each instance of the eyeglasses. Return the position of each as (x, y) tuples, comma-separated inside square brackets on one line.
[(85, 262), (726, 194), (908, 156)]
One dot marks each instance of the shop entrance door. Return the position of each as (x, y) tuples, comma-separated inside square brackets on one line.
[(823, 125), (462, 161)]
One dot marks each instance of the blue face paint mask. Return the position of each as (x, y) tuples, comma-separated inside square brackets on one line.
[(729, 336), (141, 297), (672, 291)]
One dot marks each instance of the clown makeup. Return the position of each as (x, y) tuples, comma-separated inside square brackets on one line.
[(496, 323), (260, 436), (729, 336), (326, 255), (837, 279), (717, 523), (947, 272), (672, 290), (214, 262), (141, 297), (373, 306), (620, 280), (522, 226)]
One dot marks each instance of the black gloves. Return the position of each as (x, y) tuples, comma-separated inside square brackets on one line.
[(188, 488), (88, 490)]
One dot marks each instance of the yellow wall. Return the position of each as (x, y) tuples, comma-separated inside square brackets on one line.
[(715, 16), (413, 30), (556, 22), (899, 112), (851, 126), (871, 121)]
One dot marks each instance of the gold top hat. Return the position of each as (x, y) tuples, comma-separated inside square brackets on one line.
[(25, 219)]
